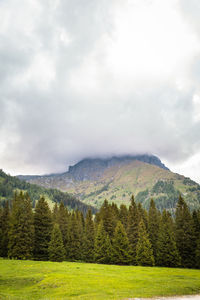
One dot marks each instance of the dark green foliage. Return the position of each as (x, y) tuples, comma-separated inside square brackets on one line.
[(43, 228), (185, 235), (153, 227), (109, 218), (102, 246), (75, 238), (4, 228), (56, 248), (121, 247), (197, 254), (123, 215), (132, 228), (9, 184), (167, 252), (142, 215), (144, 252), (62, 217), (21, 231), (55, 213), (88, 238)]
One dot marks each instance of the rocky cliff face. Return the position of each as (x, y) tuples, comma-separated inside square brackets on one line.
[(93, 180), (93, 169)]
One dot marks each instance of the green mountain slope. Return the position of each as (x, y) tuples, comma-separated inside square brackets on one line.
[(116, 180), (9, 184)]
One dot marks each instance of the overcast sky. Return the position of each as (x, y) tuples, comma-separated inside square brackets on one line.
[(87, 78)]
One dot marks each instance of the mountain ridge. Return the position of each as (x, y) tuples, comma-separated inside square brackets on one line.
[(93, 180)]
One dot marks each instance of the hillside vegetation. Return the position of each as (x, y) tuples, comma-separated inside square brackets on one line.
[(93, 181), (50, 280), (10, 184)]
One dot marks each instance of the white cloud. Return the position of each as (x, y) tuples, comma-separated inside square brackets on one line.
[(91, 77)]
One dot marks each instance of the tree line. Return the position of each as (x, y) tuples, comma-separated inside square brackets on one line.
[(124, 236), (8, 184)]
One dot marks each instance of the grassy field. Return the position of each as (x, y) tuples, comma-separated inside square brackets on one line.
[(48, 280)]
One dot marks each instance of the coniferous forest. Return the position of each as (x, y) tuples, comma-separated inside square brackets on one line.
[(123, 236)]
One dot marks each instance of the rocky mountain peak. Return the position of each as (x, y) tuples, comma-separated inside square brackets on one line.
[(93, 168)]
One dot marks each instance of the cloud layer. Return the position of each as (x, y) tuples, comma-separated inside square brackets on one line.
[(89, 78)]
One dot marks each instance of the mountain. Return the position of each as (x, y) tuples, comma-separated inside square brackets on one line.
[(94, 179), (10, 184)]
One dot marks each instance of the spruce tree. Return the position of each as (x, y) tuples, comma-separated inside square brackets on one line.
[(63, 221), (185, 236), (74, 238), (56, 248), (102, 246), (121, 247), (4, 229), (21, 232), (142, 213), (197, 254), (153, 227), (144, 252), (55, 213), (132, 228), (123, 215), (88, 241), (43, 228), (167, 252), (109, 219)]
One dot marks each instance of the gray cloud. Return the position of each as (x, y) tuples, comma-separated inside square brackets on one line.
[(61, 98)]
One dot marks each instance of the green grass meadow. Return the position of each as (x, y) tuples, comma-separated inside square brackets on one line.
[(68, 280)]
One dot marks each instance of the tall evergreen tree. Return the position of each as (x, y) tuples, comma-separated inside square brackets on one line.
[(4, 229), (144, 252), (167, 252), (196, 222), (102, 246), (109, 220), (21, 232), (74, 238), (88, 242), (142, 213), (197, 254), (43, 228), (55, 213), (63, 221), (132, 228), (185, 237), (123, 215), (121, 247), (153, 227), (56, 248)]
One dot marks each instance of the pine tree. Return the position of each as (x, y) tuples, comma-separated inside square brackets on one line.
[(21, 232), (197, 254), (102, 246), (43, 228), (56, 248), (121, 247), (142, 213), (167, 253), (132, 228), (74, 238), (185, 237), (196, 222), (55, 213), (88, 242), (4, 229), (153, 227), (144, 252), (123, 215), (109, 220), (63, 221)]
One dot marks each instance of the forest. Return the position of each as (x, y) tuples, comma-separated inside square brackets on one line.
[(10, 184), (122, 236)]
